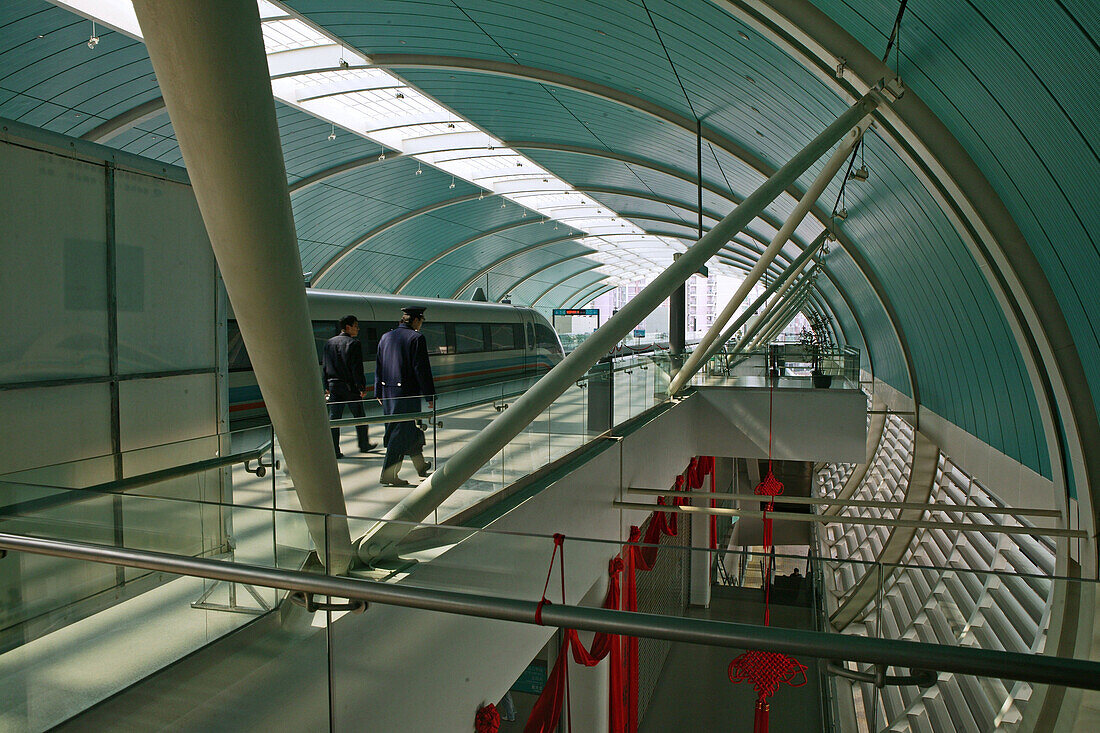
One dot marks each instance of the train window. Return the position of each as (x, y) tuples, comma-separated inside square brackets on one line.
[(470, 338), (547, 339), (530, 336), (435, 334), (238, 357), (322, 332), (517, 335), (503, 336)]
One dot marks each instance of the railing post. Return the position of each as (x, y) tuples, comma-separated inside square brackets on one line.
[(382, 539)]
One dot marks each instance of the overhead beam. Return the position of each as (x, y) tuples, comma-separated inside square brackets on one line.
[(510, 256), (131, 118), (382, 539), (559, 282), (582, 292), (585, 299), (330, 264), (542, 269), (418, 270)]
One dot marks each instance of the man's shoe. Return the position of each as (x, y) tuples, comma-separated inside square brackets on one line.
[(423, 467), (339, 454), (370, 446), (395, 482)]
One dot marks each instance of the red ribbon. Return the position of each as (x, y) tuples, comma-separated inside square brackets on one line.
[(639, 553), (487, 719)]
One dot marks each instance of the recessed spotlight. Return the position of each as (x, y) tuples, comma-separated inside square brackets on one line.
[(754, 109), (399, 95), (743, 35), (749, 79)]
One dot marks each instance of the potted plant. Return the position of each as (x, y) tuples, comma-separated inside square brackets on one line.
[(816, 342)]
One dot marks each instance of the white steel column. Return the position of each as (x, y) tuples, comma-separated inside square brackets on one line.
[(210, 63), (419, 503), (836, 161)]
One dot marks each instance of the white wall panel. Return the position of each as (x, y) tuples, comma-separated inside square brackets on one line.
[(166, 280), (53, 286), (54, 424), (167, 410)]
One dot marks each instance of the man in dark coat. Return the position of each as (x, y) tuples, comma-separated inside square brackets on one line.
[(401, 376), (345, 383)]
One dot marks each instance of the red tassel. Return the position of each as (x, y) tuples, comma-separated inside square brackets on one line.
[(760, 721)]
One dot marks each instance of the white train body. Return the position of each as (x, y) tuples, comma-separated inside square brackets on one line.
[(469, 343)]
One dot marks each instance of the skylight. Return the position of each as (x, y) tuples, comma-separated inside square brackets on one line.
[(316, 73)]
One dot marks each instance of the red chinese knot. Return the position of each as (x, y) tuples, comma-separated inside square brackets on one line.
[(767, 671), (770, 486)]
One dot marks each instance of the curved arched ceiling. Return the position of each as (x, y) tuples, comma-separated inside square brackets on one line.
[(596, 93)]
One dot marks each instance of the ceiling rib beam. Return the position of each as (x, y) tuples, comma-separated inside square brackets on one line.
[(542, 295), (511, 256), (648, 107), (584, 292), (128, 120), (455, 247), (544, 268), (588, 298), (324, 270)]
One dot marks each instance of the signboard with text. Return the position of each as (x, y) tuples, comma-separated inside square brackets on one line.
[(576, 311)]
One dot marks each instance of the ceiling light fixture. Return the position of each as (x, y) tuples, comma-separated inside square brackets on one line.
[(399, 95), (382, 155), (452, 182), (743, 35), (93, 40), (332, 135), (419, 170)]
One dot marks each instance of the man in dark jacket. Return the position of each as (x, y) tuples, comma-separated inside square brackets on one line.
[(345, 383), (401, 376)]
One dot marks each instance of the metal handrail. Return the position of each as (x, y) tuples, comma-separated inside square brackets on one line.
[(66, 496), (1034, 668), (440, 411)]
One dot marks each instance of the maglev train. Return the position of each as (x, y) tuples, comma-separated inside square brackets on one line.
[(469, 343)]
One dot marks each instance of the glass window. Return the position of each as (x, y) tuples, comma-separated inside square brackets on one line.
[(238, 357), (322, 332), (504, 337), (547, 339), (435, 334), (470, 338), (530, 336)]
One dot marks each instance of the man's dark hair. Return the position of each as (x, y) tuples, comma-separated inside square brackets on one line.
[(406, 318), (347, 321)]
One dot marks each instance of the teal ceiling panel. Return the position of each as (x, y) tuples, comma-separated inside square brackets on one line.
[(985, 68), (511, 271), (846, 319), (570, 290), (534, 286), (882, 345)]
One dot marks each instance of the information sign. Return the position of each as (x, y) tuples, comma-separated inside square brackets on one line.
[(576, 311)]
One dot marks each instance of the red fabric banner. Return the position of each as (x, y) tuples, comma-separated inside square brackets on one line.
[(639, 553)]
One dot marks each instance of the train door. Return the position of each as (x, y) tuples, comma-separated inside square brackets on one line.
[(530, 344)]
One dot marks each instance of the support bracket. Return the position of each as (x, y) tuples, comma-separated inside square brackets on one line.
[(309, 602)]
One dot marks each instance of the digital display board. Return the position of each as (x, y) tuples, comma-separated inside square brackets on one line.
[(576, 311)]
